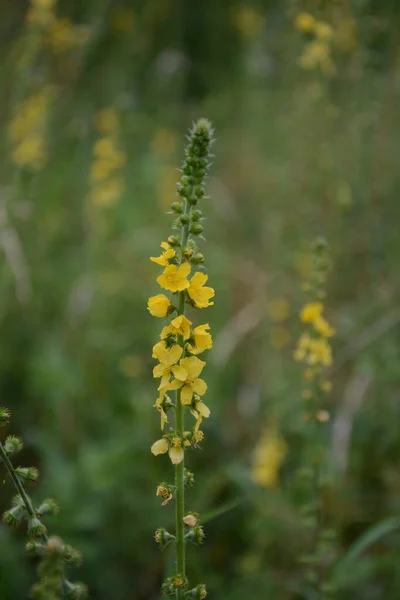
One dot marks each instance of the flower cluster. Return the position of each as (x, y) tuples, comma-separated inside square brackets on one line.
[(268, 457), (179, 368), (27, 130), (53, 554), (61, 34), (107, 183), (317, 53)]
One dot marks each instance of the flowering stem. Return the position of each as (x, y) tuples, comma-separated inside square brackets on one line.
[(179, 469)]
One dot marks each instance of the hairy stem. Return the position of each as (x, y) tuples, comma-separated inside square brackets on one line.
[(18, 485)]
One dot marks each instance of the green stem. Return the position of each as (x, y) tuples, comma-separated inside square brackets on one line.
[(179, 469), (18, 485)]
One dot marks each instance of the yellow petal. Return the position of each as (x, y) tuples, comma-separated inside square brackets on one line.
[(199, 386), (158, 371), (184, 270), (193, 366), (158, 305), (198, 280), (186, 394), (176, 455), (174, 354), (179, 372), (203, 409), (175, 385), (160, 447)]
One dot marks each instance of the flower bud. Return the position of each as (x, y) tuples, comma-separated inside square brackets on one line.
[(188, 478), (174, 240), (196, 215), (4, 416), (13, 444), (163, 538), (196, 228), (36, 528), (190, 520), (184, 219), (177, 207)]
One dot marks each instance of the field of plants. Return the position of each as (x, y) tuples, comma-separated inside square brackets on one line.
[(272, 129)]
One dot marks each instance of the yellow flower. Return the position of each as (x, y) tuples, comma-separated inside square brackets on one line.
[(305, 22), (179, 326), (108, 193), (158, 305), (311, 311), (323, 328), (202, 339), (198, 293), (165, 257), (303, 345), (319, 352), (174, 450), (268, 457), (168, 358), (326, 386), (192, 366), (174, 279), (107, 120), (200, 411), (159, 406), (323, 31)]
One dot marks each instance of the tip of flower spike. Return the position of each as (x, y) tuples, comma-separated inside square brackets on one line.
[(204, 125)]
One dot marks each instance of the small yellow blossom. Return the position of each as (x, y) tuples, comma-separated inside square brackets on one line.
[(165, 257), (305, 22), (278, 309), (268, 457), (106, 120), (179, 326), (193, 367), (160, 447), (202, 339), (158, 305), (311, 312), (174, 450), (174, 279), (199, 294), (200, 411), (323, 31), (168, 358), (323, 328)]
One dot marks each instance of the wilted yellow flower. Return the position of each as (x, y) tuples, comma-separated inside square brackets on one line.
[(268, 457), (199, 411), (199, 294), (305, 22), (158, 305), (174, 279), (174, 450), (190, 384), (159, 406)]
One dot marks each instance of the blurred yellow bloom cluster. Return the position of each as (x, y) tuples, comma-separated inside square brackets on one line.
[(313, 348), (317, 52), (268, 457), (247, 20), (107, 183), (26, 131)]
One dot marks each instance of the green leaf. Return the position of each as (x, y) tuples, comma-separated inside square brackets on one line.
[(365, 541)]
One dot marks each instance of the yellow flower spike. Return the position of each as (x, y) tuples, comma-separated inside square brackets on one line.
[(160, 447), (158, 305), (202, 339), (165, 257), (174, 279), (193, 366), (198, 293), (268, 456), (179, 326), (311, 312)]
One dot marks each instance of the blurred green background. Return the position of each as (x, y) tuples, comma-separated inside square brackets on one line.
[(304, 95)]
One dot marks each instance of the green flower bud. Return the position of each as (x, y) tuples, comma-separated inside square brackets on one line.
[(188, 478), (27, 475), (196, 228), (197, 259), (196, 215), (5, 415), (48, 506), (36, 527), (14, 516), (177, 207), (184, 219), (13, 444)]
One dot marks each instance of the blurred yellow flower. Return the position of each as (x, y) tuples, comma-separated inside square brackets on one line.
[(317, 54), (311, 311), (305, 22), (123, 19), (268, 457), (247, 20), (323, 31), (108, 193), (164, 143), (30, 152), (280, 337), (106, 120), (131, 366), (322, 327), (278, 309)]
